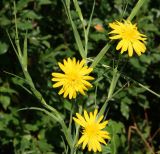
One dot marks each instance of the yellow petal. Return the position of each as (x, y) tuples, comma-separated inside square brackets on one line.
[(120, 44), (82, 91), (71, 92), (58, 75), (58, 84), (86, 83), (115, 37), (83, 61), (66, 92), (81, 118), (61, 91), (84, 142), (100, 118), (85, 70), (130, 50), (57, 79), (100, 139), (125, 46), (88, 78), (136, 48), (86, 115), (62, 67), (95, 113)]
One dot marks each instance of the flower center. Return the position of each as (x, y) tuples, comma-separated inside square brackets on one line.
[(73, 76), (129, 33), (91, 130)]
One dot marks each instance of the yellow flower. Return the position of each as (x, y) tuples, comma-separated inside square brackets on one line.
[(73, 79), (92, 133), (130, 38)]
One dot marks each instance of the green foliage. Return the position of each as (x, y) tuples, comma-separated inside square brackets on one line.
[(50, 39)]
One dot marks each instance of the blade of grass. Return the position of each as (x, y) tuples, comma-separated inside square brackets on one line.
[(39, 109), (151, 91), (136, 9), (77, 132), (100, 55), (16, 76), (68, 2), (78, 39), (34, 91), (114, 81), (85, 30), (14, 48), (78, 9), (75, 31), (16, 32), (90, 19), (79, 12), (56, 118), (139, 84), (25, 56), (113, 84), (88, 28)]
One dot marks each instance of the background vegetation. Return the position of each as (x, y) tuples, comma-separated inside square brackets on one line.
[(133, 113)]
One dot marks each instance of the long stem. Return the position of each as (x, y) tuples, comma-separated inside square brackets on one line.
[(113, 84), (75, 31), (136, 9), (135, 127), (115, 78), (16, 32), (73, 150), (100, 55), (37, 94), (40, 109)]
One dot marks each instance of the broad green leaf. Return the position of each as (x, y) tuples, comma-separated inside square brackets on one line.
[(44, 2), (125, 110), (3, 48), (29, 14), (22, 4), (8, 90), (5, 101), (24, 25)]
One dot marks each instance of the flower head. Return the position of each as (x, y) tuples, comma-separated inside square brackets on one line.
[(73, 79), (93, 133), (130, 38)]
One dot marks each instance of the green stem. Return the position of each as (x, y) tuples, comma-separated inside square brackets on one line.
[(40, 109), (136, 9), (89, 23), (16, 32), (115, 78), (71, 115), (57, 118), (65, 130), (100, 55), (38, 95), (103, 108), (73, 150), (75, 31), (112, 87), (78, 9), (151, 91)]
